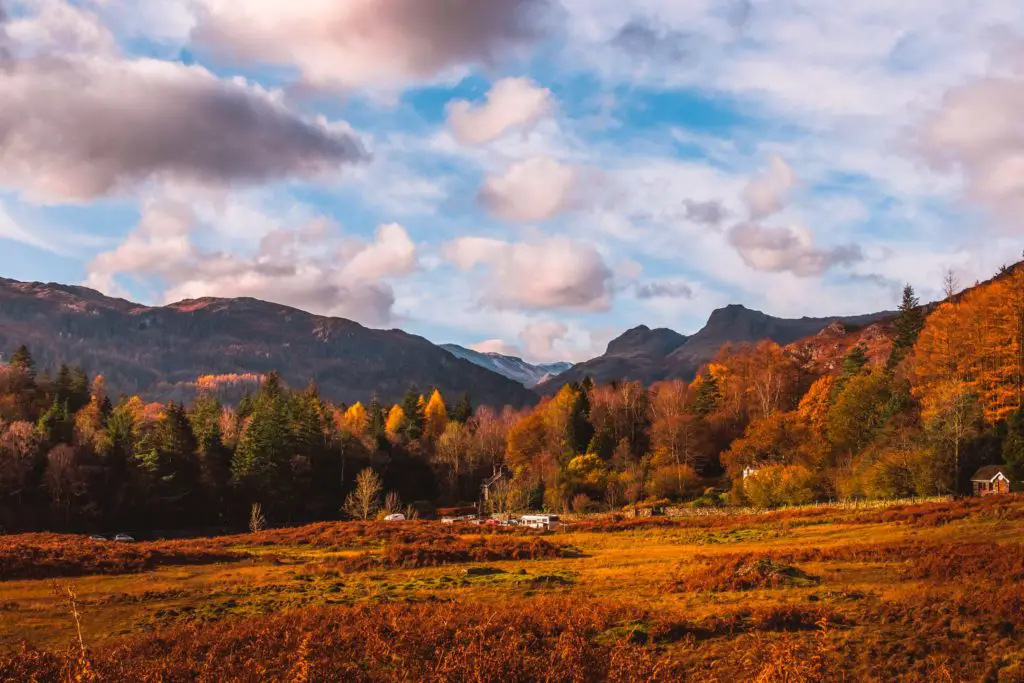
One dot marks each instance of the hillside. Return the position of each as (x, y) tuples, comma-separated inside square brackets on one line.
[(159, 352), (648, 356), (516, 369)]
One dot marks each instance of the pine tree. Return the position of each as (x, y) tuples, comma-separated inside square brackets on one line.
[(1013, 446), (856, 360), (413, 410), (259, 465), (708, 395), (908, 327), (23, 360), (463, 410)]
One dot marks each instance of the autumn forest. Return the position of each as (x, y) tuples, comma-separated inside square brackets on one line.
[(761, 425)]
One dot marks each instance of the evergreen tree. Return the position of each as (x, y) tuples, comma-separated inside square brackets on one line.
[(855, 362), (908, 327), (260, 464), (378, 421), (22, 359), (1013, 446), (708, 395), (79, 392), (463, 410), (412, 409), (55, 425)]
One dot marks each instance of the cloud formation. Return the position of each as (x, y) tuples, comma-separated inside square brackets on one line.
[(79, 128), (766, 193), (789, 249), (369, 42), (536, 189), (977, 130), (511, 103), (305, 267), (664, 289), (552, 273), (710, 213)]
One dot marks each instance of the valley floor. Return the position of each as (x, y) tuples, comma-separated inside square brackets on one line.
[(931, 592)]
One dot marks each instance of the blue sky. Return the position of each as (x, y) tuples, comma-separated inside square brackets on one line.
[(526, 176)]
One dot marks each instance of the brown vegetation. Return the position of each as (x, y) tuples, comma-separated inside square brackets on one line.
[(453, 551), (43, 556)]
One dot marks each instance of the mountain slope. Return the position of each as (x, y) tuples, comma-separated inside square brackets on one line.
[(648, 356), (638, 354), (516, 369), (159, 352)]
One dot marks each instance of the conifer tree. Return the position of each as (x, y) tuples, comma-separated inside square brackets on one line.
[(708, 395), (463, 410), (22, 359), (413, 410), (908, 327), (435, 416)]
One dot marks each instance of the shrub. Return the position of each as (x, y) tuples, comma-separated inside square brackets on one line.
[(777, 485)]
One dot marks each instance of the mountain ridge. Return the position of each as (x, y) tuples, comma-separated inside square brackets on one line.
[(646, 355), (160, 351), (514, 368)]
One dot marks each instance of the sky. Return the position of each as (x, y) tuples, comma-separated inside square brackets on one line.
[(523, 176)]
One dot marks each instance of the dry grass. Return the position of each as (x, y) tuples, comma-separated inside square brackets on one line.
[(47, 556), (452, 551), (916, 593)]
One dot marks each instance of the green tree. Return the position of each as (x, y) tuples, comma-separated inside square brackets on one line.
[(855, 362), (412, 408), (1013, 446), (23, 360), (907, 328), (463, 410), (260, 465), (709, 395)]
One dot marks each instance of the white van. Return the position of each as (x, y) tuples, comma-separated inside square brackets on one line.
[(539, 521)]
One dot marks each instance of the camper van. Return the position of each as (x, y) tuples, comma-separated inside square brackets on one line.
[(539, 521)]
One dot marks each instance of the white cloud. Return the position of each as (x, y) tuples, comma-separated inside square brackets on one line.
[(552, 273), (305, 266), (977, 131), (511, 103), (376, 43), (12, 230), (537, 189), (50, 27), (768, 191)]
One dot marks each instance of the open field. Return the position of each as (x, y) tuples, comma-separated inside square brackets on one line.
[(931, 592)]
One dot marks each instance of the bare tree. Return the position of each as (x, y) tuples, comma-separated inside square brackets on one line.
[(364, 501), (257, 521), (392, 503), (950, 284)]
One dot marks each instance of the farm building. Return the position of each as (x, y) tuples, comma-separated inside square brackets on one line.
[(991, 480)]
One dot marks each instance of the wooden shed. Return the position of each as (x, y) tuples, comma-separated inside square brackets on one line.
[(991, 480)]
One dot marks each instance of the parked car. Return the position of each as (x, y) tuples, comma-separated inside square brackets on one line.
[(97, 537), (124, 538), (510, 522), (396, 517), (492, 522)]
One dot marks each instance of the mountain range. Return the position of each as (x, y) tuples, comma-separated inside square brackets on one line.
[(160, 352), (527, 374), (647, 355)]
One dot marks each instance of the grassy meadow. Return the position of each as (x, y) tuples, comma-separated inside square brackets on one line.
[(925, 592)]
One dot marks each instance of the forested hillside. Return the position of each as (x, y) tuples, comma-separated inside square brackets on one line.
[(158, 352), (912, 406)]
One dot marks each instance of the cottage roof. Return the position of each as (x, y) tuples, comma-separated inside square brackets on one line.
[(990, 472)]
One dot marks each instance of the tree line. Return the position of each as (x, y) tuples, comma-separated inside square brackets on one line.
[(758, 425)]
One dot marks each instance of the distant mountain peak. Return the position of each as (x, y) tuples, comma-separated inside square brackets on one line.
[(512, 367), (645, 341)]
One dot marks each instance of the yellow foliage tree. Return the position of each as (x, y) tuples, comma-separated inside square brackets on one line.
[(356, 420), (395, 422), (435, 417)]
